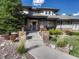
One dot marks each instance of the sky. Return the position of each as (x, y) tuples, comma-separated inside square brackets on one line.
[(66, 6)]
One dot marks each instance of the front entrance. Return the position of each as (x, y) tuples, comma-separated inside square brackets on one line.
[(34, 27)]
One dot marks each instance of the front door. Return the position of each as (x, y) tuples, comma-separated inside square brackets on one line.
[(34, 27)]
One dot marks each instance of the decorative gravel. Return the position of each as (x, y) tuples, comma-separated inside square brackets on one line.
[(8, 50)]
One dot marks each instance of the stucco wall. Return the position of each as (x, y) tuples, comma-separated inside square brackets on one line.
[(73, 26)]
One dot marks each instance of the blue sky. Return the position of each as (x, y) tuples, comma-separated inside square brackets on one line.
[(65, 6)]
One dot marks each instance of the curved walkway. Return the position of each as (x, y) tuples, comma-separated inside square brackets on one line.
[(38, 49)]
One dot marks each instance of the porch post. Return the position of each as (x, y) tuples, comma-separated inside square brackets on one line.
[(76, 26), (71, 24), (61, 24), (55, 24), (23, 23)]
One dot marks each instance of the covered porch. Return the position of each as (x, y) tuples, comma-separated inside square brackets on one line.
[(33, 22)]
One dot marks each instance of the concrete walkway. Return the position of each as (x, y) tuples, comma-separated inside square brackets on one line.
[(34, 39), (38, 49)]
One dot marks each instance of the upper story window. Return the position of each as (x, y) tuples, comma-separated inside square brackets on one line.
[(43, 12), (49, 12), (46, 13)]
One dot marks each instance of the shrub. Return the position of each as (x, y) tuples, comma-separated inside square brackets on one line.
[(21, 49), (61, 43), (2, 31), (21, 46), (75, 33), (72, 33), (55, 32), (53, 38), (68, 32)]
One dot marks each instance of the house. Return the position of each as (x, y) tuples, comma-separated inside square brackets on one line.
[(48, 17)]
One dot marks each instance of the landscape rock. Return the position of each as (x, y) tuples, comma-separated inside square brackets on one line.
[(3, 44), (8, 50)]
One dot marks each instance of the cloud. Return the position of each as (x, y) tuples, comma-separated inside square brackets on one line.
[(76, 14), (64, 14), (38, 2)]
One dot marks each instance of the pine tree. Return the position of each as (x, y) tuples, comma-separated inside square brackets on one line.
[(10, 19)]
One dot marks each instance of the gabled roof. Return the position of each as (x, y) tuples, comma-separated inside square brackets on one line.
[(27, 7), (61, 17), (45, 8)]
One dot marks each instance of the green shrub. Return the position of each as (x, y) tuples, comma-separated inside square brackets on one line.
[(2, 31), (72, 33), (68, 32), (75, 33), (22, 40), (61, 43), (54, 38), (55, 32), (21, 49)]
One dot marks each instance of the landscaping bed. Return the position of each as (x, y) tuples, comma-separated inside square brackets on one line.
[(67, 41), (8, 50), (71, 40), (74, 41)]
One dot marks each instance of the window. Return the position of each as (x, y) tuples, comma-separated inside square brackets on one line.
[(46, 12)]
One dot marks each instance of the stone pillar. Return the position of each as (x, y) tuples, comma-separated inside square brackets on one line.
[(46, 38), (22, 37)]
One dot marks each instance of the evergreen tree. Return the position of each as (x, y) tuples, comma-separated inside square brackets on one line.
[(10, 18)]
